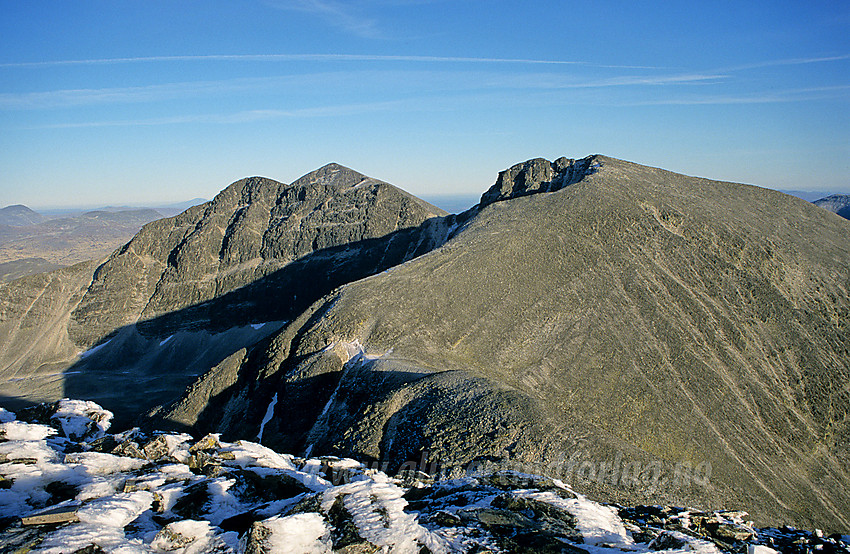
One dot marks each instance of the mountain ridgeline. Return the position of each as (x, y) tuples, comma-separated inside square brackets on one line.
[(647, 336)]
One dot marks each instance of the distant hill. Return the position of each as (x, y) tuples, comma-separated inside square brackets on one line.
[(169, 210), (68, 240), (836, 203), (19, 215), (32, 242)]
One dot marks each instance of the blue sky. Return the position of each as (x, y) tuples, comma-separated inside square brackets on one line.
[(105, 102)]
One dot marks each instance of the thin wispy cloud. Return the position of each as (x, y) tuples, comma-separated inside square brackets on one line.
[(245, 116), (64, 98), (365, 81), (788, 61), (338, 14), (781, 96), (660, 80), (316, 58)]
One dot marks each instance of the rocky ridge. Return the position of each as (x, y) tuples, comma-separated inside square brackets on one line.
[(66, 485), (253, 230)]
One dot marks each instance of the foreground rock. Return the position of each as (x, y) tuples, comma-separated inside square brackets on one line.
[(171, 493)]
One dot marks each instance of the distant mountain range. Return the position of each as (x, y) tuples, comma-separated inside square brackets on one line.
[(31, 242), (837, 203), (648, 337)]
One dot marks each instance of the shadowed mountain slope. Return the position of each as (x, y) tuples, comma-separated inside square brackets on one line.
[(650, 337), (188, 291), (252, 229)]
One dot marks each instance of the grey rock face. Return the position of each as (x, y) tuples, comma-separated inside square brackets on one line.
[(646, 336)]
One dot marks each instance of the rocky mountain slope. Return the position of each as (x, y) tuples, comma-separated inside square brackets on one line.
[(187, 292), (646, 336), (836, 203), (620, 322), (68, 486)]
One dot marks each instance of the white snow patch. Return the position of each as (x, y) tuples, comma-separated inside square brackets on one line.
[(597, 523), (82, 535), (6, 416), (81, 419), (760, 549), (267, 417), (20, 431), (222, 503), (377, 509), (101, 463), (247, 454), (117, 510), (93, 350), (299, 534)]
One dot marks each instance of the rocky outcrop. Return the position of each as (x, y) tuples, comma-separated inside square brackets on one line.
[(169, 492), (538, 175), (656, 338)]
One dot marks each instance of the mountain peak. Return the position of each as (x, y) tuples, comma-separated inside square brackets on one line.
[(19, 215), (332, 175)]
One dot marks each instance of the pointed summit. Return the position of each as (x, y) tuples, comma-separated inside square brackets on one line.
[(332, 175)]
